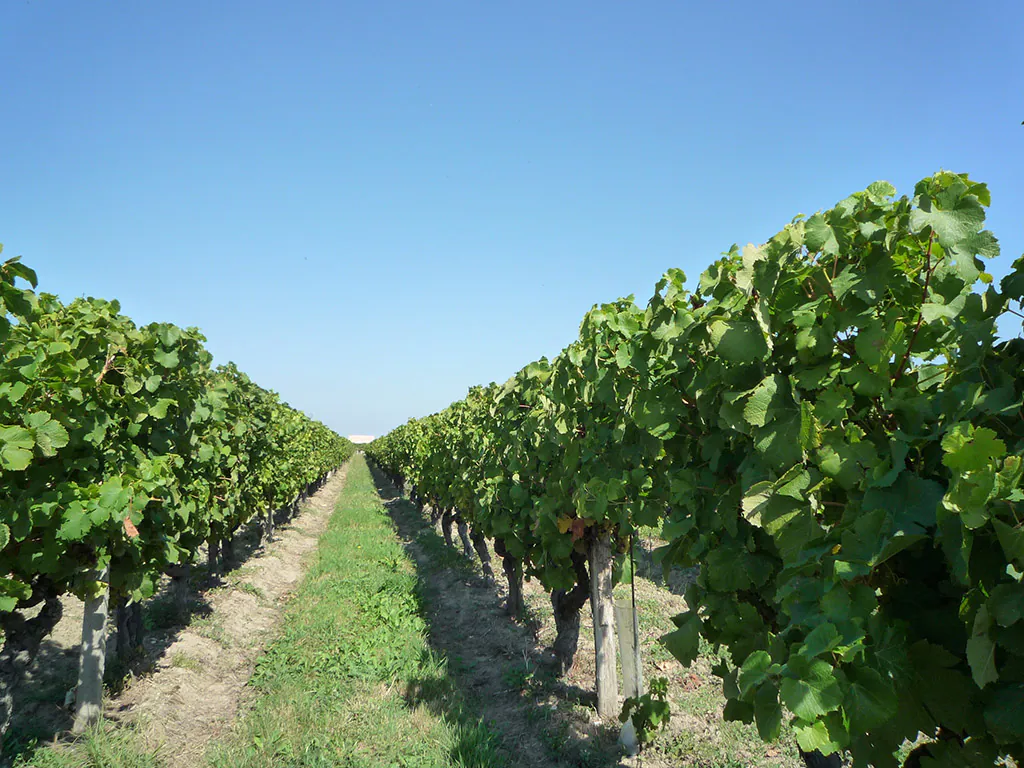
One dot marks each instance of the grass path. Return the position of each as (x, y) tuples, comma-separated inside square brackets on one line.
[(351, 680)]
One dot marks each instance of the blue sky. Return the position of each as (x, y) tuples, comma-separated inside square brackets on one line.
[(370, 207)]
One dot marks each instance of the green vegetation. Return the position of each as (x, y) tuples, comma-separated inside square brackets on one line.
[(122, 450), (102, 746), (351, 680), (830, 429)]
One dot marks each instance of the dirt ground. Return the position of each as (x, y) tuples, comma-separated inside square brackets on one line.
[(186, 688)]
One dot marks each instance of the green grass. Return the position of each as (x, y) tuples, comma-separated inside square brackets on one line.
[(103, 746), (351, 680), (186, 662)]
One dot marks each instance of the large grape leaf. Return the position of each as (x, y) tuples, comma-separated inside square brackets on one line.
[(813, 689), (16, 445)]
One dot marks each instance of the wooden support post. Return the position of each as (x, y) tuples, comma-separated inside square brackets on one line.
[(627, 623), (213, 556), (632, 672), (227, 553), (602, 606), (93, 656)]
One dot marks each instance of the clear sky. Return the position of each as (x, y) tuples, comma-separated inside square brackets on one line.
[(372, 206)]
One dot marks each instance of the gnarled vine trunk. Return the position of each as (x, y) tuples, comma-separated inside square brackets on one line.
[(128, 619), (227, 553), (447, 518), (513, 569), (480, 545), (179, 589), (467, 545), (567, 605), (817, 760), (268, 528)]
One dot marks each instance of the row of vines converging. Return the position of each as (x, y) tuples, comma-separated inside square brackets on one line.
[(830, 427), (122, 450)]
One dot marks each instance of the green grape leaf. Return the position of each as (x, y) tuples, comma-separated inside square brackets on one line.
[(820, 236), (738, 341), (768, 712), (730, 570), (952, 215), (833, 403), (981, 655), (1012, 286), (159, 409), (818, 737), (16, 445), (50, 436), (168, 360), (779, 442), (754, 671), (1006, 604), (870, 700), (1011, 539), (814, 691), (970, 449), (1003, 712), (822, 639), (76, 523), (757, 411), (114, 497), (880, 191)]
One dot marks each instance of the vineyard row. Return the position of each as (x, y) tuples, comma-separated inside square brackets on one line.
[(123, 450), (829, 426)]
